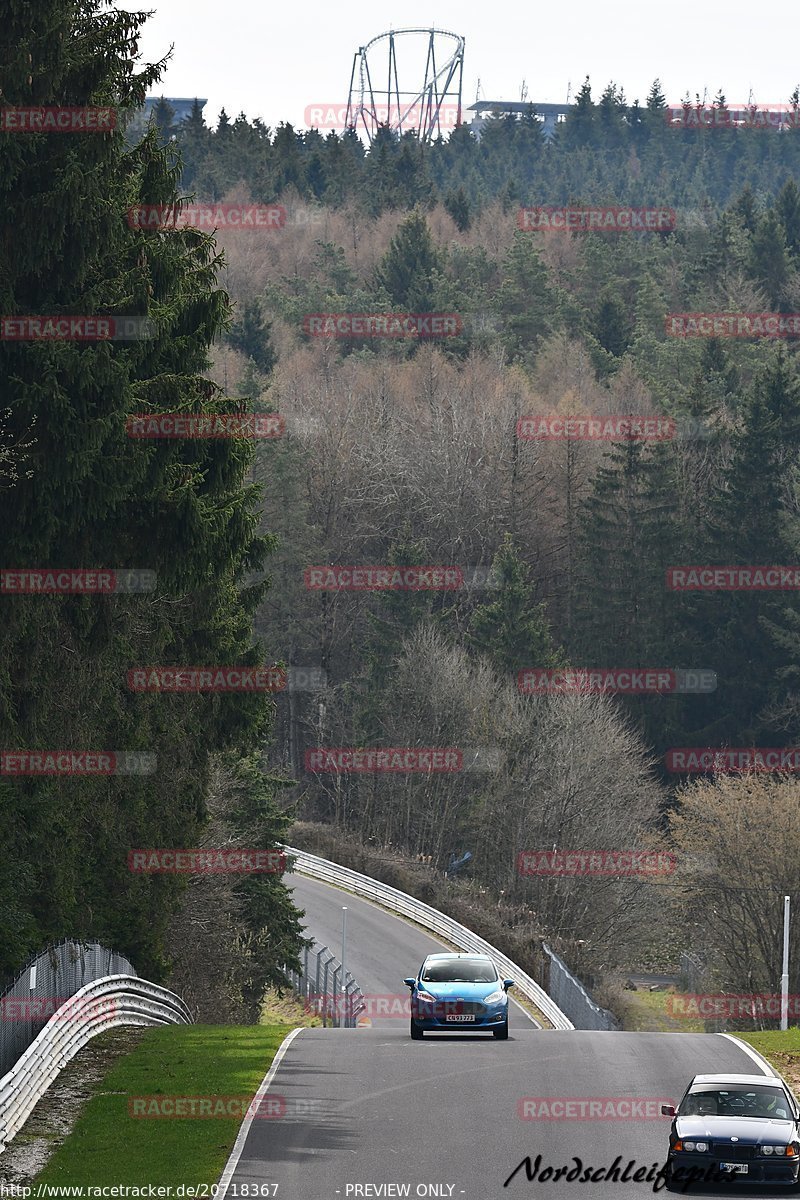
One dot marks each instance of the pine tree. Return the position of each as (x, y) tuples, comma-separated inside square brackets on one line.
[(511, 628), (194, 139), (787, 205), (458, 207), (250, 334), (610, 324), (524, 298), (393, 618), (164, 119), (629, 535), (408, 269), (580, 124), (749, 527), (769, 259), (100, 498)]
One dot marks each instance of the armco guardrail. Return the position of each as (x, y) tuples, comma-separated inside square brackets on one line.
[(100, 1005), (47, 981), (429, 918)]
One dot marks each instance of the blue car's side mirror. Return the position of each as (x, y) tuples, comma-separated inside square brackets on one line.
[(409, 982), (507, 983)]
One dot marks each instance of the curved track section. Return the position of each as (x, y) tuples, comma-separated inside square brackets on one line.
[(360, 1113)]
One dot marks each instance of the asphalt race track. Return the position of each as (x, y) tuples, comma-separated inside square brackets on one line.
[(368, 1113)]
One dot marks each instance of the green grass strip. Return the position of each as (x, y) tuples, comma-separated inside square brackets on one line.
[(108, 1146), (773, 1041), (781, 1048)]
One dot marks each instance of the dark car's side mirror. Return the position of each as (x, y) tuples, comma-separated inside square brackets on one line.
[(507, 983), (668, 1110), (410, 982)]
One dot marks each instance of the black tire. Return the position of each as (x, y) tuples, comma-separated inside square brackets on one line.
[(501, 1032), (416, 1032), (670, 1184)]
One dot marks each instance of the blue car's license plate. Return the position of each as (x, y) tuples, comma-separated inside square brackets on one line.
[(458, 1017), (736, 1168)]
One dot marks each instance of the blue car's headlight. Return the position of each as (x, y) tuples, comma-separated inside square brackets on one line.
[(493, 997), (427, 997)]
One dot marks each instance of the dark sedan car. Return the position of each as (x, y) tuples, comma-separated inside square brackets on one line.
[(734, 1128)]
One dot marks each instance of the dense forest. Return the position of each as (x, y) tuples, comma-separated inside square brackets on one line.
[(397, 452), (408, 451)]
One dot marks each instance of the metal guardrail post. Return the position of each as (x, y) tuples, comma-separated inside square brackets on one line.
[(350, 1005), (325, 990), (335, 1019)]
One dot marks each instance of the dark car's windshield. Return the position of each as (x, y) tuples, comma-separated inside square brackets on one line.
[(460, 970), (752, 1100)]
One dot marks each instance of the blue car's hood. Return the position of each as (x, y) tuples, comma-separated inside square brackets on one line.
[(461, 991), (749, 1131)]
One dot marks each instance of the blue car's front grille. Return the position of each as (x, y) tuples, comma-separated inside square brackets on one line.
[(443, 1009)]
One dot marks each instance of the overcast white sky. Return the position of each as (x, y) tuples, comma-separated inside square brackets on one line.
[(274, 60)]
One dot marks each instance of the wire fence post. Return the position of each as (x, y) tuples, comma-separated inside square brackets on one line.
[(330, 990), (335, 996)]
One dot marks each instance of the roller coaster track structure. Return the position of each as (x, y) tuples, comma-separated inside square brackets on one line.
[(427, 109)]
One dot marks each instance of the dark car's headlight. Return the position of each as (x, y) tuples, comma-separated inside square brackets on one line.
[(695, 1147), (773, 1149), (493, 997)]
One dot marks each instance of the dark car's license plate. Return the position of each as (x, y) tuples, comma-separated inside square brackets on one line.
[(458, 1017), (735, 1168)]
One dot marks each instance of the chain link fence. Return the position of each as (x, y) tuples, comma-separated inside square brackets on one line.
[(337, 1000), (692, 973), (45, 983), (572, 998)]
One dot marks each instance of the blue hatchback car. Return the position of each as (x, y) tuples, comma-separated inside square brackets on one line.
[(459, 991)]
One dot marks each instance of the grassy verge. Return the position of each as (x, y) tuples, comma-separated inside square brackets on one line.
[(107, 1146), (287, 1009), (781, 1049), (644, 1011)]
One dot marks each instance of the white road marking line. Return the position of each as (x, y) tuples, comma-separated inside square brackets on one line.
[(241, 1137), (757, 1058)]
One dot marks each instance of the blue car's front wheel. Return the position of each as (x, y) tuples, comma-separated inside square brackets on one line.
[(416, 1031), (501, 1033)]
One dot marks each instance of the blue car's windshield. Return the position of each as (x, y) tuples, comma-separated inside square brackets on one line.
[(754, 1100), (460, 970)]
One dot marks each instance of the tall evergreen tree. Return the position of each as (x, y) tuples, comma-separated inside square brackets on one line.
[(250, 334), (407, 270), (748, 527), (510, 627), (97, 497)]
